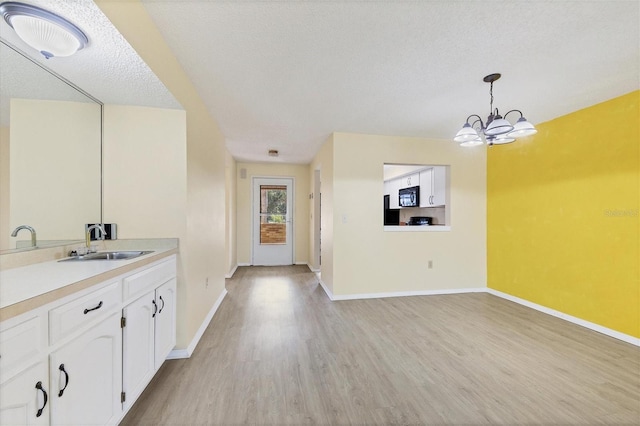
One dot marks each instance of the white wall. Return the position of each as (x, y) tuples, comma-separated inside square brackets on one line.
[(366, 259), (55, 167), (300, 174)]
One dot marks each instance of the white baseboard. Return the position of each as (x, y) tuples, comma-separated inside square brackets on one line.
[(233, 271), (186, 353), (407, 293), (312, 269), (590, 325), (326, 289)]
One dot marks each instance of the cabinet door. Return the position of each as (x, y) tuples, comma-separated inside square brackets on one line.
[(165, 321), (426, 187), (138, 347), (439, 186), (394, 189), (86, 377), (21, 402)]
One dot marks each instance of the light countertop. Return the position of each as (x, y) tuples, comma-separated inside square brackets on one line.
[(34, 285)]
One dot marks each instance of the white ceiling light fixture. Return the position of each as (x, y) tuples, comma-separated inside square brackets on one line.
[(497, 130), (48, 33)]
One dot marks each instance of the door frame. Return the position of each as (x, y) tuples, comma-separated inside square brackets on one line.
[(253, 214)]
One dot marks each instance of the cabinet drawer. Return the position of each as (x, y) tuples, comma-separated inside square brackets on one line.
[(83, 311), (149, 279), (21, 343)]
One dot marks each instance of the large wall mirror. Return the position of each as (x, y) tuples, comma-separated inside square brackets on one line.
[(50, 155)]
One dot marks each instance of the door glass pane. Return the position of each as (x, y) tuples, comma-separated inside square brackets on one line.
[(273, 214)]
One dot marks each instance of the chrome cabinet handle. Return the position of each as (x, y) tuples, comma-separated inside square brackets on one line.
[(66, 379), (86, 311), (46, 398)]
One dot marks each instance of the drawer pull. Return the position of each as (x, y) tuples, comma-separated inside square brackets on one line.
[(66, 379), (86, 311), (162, 300), (46, 398)]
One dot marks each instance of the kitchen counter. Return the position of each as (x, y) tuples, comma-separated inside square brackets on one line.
[(28, 287), (417, 228)]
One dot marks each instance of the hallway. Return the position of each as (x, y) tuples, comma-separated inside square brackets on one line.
[(278, 351)]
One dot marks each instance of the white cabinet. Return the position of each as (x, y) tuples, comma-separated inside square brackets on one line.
[(410, 180), (433, 186), (24, 399), (148, 337), (394, 189), (138, 347), (65, 363), (149, 333), (439, 185), (86, 377), (165, 331)]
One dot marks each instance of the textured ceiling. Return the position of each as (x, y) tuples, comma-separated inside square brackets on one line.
[(108, 68), (285, 74)]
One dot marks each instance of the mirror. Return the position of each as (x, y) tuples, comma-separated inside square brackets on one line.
[(50, 155)]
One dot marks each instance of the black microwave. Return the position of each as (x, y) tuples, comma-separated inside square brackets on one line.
[(409, 197)]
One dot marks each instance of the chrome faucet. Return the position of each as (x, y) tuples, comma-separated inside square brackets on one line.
[(102, 234), (30, 229)]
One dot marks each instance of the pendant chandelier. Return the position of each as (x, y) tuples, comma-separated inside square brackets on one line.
[(48, 33), (496, 130)]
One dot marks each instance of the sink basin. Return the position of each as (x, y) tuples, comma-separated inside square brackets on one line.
[(108, 255)]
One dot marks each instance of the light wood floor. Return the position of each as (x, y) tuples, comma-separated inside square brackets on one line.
[(279, 352)]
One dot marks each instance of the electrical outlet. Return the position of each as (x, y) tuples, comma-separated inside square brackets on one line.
[(430, 264)]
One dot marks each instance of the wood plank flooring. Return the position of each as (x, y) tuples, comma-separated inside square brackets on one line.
[(278, 352)]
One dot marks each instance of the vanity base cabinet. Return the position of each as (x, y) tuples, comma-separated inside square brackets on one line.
[(165, 332), (85, 358), (22, 401), (138, 347), (149, 335), (86, 377)]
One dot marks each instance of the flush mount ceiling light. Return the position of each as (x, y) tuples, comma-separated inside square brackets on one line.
[(48, 33), (273, 153), (497, 130)]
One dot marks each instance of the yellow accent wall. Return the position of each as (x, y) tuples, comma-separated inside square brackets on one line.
[(562, 215)]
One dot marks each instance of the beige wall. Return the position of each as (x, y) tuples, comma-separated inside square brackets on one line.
[(230, 203), (55, 168), (145, 171), (323, 162), (5, 230), (367, 259), (202, 250), (300, 174)]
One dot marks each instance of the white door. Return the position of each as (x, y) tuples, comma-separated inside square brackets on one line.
[(165, 321), (272, 217), (85, 377), (138, 347), (25, 398)]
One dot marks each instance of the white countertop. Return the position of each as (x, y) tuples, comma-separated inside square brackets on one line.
[(19, 284), (417, 228)]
